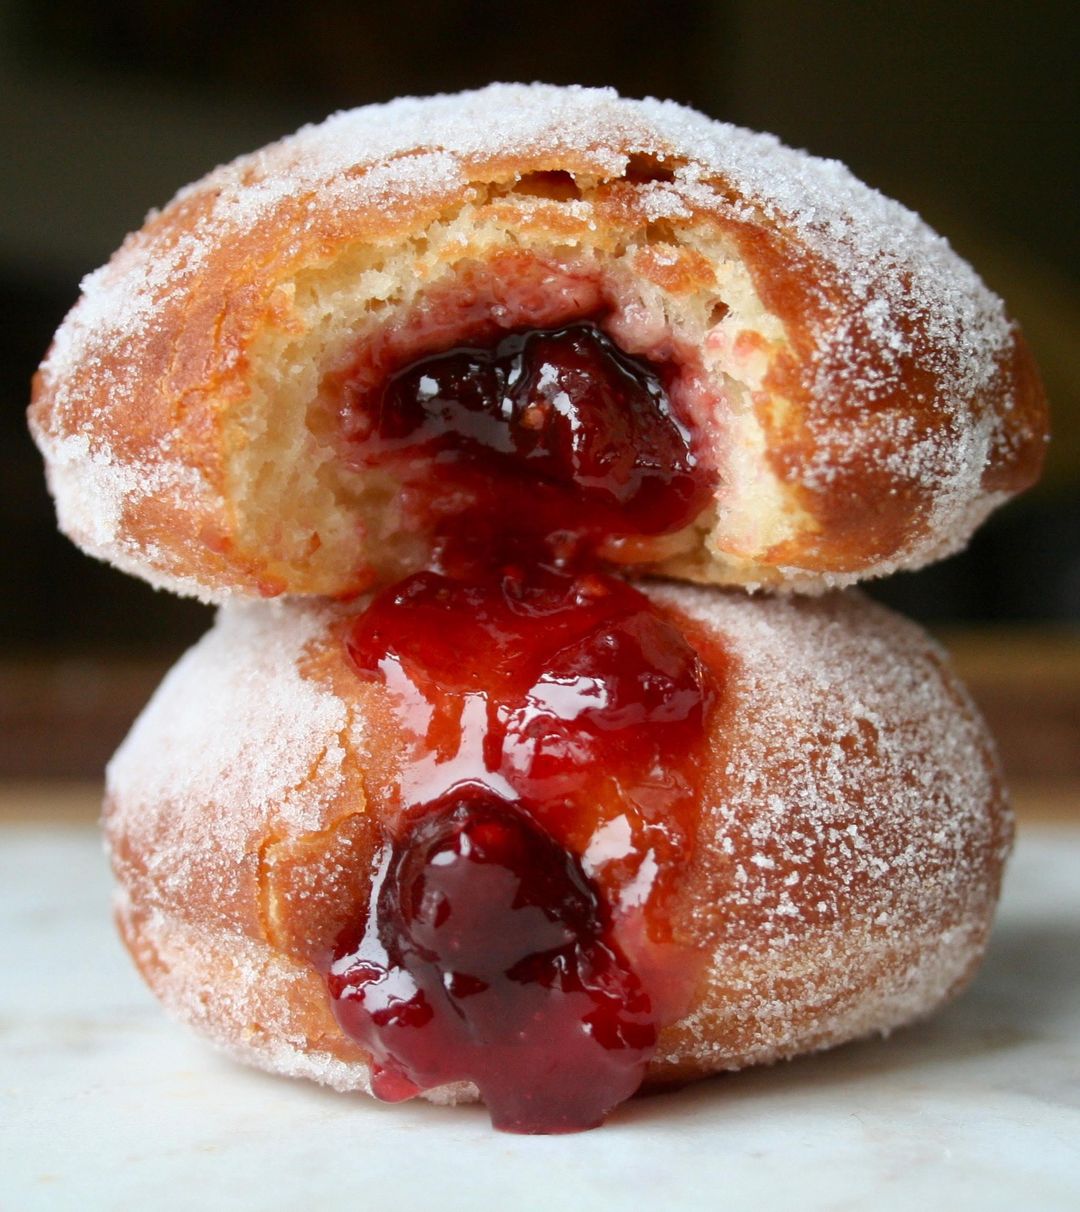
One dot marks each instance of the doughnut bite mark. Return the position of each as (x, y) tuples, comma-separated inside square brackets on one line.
[(786, 830), (857, 400), (550, 440)]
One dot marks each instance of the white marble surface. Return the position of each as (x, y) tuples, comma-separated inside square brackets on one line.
[(106, 1104)]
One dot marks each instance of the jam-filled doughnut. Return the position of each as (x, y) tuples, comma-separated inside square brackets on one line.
[(675, 344), (545, 836)]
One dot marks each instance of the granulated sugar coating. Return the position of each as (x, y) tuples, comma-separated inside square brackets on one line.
[(855, 840), (862, 397), (448, 364), (852, 832)]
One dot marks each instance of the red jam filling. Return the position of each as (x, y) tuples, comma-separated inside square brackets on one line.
[(551, 721), (555, 429), (493, 960), (519, 931)]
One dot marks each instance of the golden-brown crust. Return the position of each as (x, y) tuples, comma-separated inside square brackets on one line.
[(897, 408), (852, 832)]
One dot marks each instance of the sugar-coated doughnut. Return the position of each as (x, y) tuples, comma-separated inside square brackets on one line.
[(841, 879), (859, 400)]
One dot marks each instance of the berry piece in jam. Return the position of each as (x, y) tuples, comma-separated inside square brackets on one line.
[(552, 431), (488, 957), (551, 738)]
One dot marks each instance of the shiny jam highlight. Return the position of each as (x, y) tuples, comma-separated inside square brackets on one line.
[(519, 932), (552, 726), (549, 438)]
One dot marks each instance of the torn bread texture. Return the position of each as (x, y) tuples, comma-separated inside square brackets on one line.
[(859, 396)]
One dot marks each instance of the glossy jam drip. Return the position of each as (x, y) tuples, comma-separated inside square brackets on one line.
[(542, 717), (556, 433), (487, 956)]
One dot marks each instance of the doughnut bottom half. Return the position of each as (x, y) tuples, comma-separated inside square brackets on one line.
[(850, 841)]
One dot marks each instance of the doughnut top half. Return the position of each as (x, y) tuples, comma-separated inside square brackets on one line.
[(866, 400)]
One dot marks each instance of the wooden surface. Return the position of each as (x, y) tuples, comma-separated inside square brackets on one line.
[(61, 719), (1026, 681), (62, 803)]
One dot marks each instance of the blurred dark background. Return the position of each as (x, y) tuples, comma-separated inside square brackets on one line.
[(968, 113)]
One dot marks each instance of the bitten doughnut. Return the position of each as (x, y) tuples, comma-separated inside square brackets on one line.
[(249, 398), (717, 831)]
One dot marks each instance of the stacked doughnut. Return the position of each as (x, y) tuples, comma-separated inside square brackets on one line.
[(528, 440)]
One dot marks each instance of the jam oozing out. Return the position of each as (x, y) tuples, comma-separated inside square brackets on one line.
[(556, 432), (488, 956), (519, 932)]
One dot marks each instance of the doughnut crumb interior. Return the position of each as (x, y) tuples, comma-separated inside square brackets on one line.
[(858, 400)]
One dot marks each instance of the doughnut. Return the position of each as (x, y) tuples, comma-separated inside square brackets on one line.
[(642, 834), (609, 325)]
